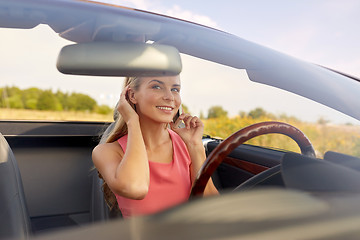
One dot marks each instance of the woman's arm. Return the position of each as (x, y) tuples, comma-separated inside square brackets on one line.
[(198, 156), (126, 174), (192, 136)]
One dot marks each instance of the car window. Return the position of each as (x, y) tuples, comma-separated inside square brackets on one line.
[(32, 87), (228, 100), (225, 98)]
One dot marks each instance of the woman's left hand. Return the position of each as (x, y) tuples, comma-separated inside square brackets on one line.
[(192, 132)]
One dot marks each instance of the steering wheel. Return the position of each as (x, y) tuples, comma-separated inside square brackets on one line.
[(228, 145)]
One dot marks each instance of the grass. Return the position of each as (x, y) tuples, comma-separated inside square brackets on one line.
[(324, 137), (25, 114), (340, 138)]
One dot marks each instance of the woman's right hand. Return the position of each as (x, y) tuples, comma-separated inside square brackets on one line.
[(125, 109)]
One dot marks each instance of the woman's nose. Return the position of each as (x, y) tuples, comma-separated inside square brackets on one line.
[(168, 95)]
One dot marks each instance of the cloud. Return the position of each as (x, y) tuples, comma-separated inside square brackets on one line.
[(342, 8), (178, 12), (172, 11)]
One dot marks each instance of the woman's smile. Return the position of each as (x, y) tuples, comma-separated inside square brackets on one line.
[(165, 108)]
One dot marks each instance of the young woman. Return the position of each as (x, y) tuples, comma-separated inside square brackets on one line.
[(145, 165)]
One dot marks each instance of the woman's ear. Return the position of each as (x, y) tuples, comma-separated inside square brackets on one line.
[(131, 96)]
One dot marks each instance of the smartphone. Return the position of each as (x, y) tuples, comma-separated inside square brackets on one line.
[(177, 115)]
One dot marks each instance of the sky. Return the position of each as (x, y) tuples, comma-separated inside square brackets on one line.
[(324, 32)]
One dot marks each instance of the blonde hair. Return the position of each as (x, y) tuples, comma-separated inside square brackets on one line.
[(119, 130)]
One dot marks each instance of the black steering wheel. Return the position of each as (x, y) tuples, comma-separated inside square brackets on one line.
[(228, 145)]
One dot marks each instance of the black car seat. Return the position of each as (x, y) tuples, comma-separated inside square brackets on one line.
[(99, 211), (14, 217)]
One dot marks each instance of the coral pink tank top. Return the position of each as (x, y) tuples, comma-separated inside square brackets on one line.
[(170, 183)]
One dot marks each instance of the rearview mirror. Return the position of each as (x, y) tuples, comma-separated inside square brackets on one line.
[(119, 59)]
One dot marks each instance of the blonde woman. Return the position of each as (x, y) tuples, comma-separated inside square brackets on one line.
[(148, 167)]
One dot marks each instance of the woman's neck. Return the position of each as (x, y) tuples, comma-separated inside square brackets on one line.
[(154, 134)]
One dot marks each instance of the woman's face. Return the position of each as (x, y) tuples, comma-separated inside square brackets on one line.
[(158, 98)]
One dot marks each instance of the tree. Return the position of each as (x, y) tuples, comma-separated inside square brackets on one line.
[(63, 99), (15, 102), (257, 113), (11, 97), (31, 103), (48, 101), (30, 97), (322, 121), (11, 91), (242, 114), (79, 101), (185, 109), (103, 109), (35, 98), (4, 101), (216, 112)]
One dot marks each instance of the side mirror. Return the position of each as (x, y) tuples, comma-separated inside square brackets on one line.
[(123, 59)]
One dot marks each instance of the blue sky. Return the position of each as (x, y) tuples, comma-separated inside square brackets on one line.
[(325, 32)]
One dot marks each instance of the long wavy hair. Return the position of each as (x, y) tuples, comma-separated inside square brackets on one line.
[(111, 135)]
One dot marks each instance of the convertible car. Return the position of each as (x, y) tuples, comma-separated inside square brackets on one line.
[(282, 135)]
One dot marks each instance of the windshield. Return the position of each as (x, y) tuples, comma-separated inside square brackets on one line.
[(223, 96)]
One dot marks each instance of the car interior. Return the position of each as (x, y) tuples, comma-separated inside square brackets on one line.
[(71, 194)]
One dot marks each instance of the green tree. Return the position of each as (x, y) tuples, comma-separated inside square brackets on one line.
[(257, 113), (3, 98), (15, 101), (63, 99), (103, 109), (11, 97), (79, 101), (242, 114), (216, 112), (48, 101), (31, 103), (30, 97), (12, 91)]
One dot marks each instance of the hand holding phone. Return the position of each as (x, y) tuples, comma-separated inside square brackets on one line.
[(180, 123)]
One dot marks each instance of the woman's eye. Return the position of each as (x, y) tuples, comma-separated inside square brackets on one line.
[(156, 87), (176, 90)]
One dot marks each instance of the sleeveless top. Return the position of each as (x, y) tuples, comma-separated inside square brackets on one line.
[(170, 183)]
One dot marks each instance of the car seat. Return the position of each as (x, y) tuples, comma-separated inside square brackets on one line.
[(14, 217), (99, 211)]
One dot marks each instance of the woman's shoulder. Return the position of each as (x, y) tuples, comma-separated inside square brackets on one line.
[(107, 146), (106, 149), (174, 135), (180, 148), (175, 138)]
